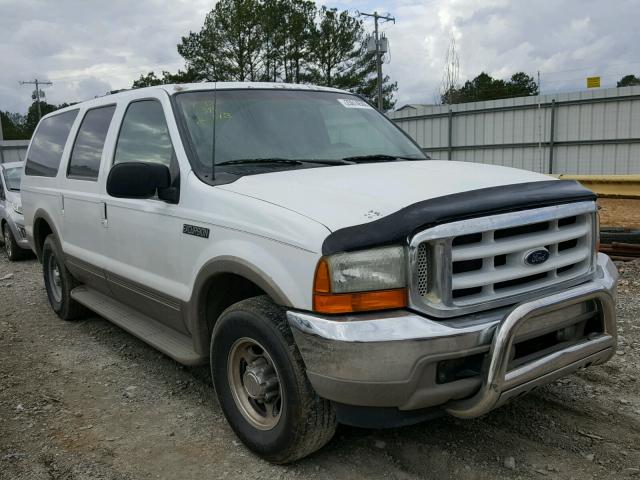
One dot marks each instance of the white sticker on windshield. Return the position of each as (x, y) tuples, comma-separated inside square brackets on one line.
[(354, 103)]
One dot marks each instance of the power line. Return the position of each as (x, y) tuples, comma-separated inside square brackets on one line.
[(37, 83)]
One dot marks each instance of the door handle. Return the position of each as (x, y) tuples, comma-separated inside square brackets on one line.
[(103, 214)]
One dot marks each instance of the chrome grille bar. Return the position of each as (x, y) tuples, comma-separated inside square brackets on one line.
[(477, 264)]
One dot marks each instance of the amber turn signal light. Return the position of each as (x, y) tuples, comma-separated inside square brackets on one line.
[(359, 302), (321, 282)]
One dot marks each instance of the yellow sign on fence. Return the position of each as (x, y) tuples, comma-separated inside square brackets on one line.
[(593, 82)]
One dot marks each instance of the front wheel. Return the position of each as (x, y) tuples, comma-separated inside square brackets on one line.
[(261, 384)]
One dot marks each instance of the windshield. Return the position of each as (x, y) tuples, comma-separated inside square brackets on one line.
[(12, 178), (287, 125)]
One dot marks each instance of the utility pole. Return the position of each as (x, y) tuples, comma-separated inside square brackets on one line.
[(37, 83), (379, 52)]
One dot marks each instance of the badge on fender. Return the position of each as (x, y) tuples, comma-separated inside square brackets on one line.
[(195, 231)]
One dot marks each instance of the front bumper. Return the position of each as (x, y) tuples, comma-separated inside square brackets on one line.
[(391, 359)]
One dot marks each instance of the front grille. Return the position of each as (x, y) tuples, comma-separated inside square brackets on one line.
[(477, 263)]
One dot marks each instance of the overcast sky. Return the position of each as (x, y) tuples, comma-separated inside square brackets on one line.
[(88, 47)]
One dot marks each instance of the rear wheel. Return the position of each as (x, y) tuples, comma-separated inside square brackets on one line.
[(261, 384), (59, 282), (11, 247)]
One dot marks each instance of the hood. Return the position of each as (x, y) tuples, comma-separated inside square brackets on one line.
[(343, 196), (13, 197)]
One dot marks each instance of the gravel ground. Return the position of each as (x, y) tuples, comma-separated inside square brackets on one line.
[(85, 400)]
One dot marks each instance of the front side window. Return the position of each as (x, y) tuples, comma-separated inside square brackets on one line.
[(48, 144), (287, 125), (87, 150), (12, 178), (144, 135)]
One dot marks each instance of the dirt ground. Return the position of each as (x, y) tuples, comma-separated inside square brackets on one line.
[(85, 400), (619, 212)]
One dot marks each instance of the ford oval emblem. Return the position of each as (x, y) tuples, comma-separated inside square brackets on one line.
[(537, 256)]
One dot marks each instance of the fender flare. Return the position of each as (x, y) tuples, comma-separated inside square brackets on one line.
[(41, 214), (195, 308)]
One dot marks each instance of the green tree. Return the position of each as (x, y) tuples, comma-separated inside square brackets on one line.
[(278, 40), (485, 87), (521, 85), (628, 81), (13, 126), (366, 82), (230, 44), (336, 46), (150, 79), (287, 27)]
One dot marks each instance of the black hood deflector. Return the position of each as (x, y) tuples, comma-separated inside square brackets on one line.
[(398, 226)]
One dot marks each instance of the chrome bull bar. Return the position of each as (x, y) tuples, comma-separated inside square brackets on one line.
[(500, 384)]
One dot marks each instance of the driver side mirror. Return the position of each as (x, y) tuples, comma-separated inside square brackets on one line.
[(141, 180)]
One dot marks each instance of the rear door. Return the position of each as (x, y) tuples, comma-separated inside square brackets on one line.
[(84, 209), (143, 234)]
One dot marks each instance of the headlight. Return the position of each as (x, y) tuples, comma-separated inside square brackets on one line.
[(17, 207), (367, 280)]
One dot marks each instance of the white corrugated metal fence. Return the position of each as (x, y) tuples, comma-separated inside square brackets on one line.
[(588, 132)]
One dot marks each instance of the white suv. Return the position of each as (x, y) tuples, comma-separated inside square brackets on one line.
[(301, 243)]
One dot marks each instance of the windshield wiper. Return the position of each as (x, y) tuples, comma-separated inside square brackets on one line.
[(378, 157), (287, 161), (242, 161)]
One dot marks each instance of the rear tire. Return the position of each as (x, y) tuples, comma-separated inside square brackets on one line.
[(11, 248), (262, 386), (59, 282)]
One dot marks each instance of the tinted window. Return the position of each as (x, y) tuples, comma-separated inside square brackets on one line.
[(144, 136), (48, 143), (87, 150)]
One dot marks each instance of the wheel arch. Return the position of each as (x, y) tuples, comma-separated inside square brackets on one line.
[(233, 279), (43, 225)]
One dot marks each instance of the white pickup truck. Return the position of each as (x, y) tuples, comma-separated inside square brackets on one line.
[(301, 243)]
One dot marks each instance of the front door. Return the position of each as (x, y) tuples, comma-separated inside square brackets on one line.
[(143, 234)]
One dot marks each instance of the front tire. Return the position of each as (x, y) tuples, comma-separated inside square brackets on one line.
[(59, 282), (261, 384)]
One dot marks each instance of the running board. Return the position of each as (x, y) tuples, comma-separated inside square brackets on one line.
[(170, 342)]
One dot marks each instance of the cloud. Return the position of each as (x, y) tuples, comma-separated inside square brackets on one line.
[(566, 41), (87, 48)]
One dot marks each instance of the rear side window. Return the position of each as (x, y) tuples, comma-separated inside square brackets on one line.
[(48, 143), (87, 149), (144, 135)]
